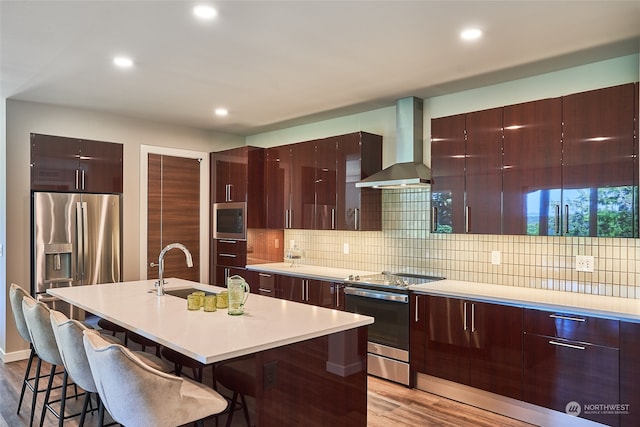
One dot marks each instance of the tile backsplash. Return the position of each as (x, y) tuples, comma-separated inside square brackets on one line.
[(405, 244)]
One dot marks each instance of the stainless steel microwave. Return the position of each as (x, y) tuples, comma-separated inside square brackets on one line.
[(230, 220)]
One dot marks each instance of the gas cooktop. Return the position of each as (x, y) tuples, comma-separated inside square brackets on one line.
[(390, 280)]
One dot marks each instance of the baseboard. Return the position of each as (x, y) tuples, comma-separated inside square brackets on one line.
[(502, 405), (14, 356)]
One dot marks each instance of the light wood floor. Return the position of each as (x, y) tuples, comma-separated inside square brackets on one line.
[(388, 404)]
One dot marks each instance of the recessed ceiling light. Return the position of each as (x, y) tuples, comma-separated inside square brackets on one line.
[(471, 34), (204, 11), (123, 61), (221, 111)]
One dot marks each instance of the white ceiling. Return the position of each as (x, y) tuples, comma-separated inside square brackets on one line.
[(275, 64)]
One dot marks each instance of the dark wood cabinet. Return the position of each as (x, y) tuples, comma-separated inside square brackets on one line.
[(532, 171), (447, 168), (562, 166), (630, 373), (308, 291), (266, 284), (230, 258), (230, 169), (483, 172), (311, 185), (599, 178), (569, 358), (237, 175), (278, 171), (473, 343), (418, 333), (359, 155), (75, 165)]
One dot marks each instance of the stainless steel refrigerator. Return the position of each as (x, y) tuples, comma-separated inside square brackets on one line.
[(77, 241)]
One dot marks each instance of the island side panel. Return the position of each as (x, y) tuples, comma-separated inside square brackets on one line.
[(304, 392)]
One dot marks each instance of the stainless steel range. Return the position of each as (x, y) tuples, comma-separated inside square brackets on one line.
[(385, 297)]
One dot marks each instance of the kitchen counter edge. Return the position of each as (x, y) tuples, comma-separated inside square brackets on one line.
[(626, 309)]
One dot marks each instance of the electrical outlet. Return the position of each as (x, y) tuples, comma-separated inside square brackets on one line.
[(345, 248), (292, 243), (495, 257), (269, 374), (584, 263)]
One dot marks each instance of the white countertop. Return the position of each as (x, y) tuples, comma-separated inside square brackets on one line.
[(590, 305), (207, 336), (308, 271)]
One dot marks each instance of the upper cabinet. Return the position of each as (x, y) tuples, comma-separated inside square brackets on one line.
[(311, 185), (562, 166), (71, 164), (237, 176), (483, 169), (359, 155), (447, 171), (532, 168), (599, 176)]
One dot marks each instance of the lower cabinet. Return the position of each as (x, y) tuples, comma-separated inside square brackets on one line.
[(630, 373), (266, 284), (586, 366), (572, 364), (308, 291), (469, 342)]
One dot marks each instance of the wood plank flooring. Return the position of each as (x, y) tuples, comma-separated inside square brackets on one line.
[(388, 404)]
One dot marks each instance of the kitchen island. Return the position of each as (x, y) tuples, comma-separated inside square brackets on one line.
[(315, 357)]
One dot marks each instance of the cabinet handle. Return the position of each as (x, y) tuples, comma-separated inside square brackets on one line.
[(467, 212), (417, 308), (337, 296), (226, 276), (82, 179), (356, 217), (464, 309), (264, 275), (228, 255), (473, 317), (557, 219), (575, 319), (227, 192), (562, 344), (286, 218), (434, 219), (263, 290), (290, 218), (233, 242), (566, 219), (77, 179)]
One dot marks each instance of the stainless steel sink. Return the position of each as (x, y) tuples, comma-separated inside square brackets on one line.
[(182, 293)]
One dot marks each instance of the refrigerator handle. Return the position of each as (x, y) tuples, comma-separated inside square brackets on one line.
[(85, 239), (79, 242)]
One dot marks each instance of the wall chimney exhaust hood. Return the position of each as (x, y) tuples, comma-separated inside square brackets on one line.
[(409, 171)]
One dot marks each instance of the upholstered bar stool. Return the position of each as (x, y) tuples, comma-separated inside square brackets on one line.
[(36, 315), (69, 334), (138, 395), (239, 376), (16, 295)]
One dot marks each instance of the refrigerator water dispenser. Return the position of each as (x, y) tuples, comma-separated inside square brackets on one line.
[(58, 257)]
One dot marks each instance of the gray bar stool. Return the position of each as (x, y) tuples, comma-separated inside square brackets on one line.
[(138, 395), (16, 295)]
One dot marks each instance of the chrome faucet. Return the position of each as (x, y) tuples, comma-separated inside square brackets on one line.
[(160, 282)]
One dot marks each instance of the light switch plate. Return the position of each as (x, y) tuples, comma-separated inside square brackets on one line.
[(345, 248), (496, 257), (585, 263)]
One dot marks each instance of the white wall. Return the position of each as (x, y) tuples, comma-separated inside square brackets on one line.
[(23, 118), (6, 317)]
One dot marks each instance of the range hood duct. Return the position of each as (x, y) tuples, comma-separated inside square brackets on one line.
[(409, 171)]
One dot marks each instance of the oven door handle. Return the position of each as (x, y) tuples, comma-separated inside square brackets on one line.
[(369, 293)]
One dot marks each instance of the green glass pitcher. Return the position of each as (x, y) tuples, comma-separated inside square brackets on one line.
[(238, 294)]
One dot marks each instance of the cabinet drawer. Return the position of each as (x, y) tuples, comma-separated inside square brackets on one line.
[(594, 330), (230, 246), (266, 284)]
